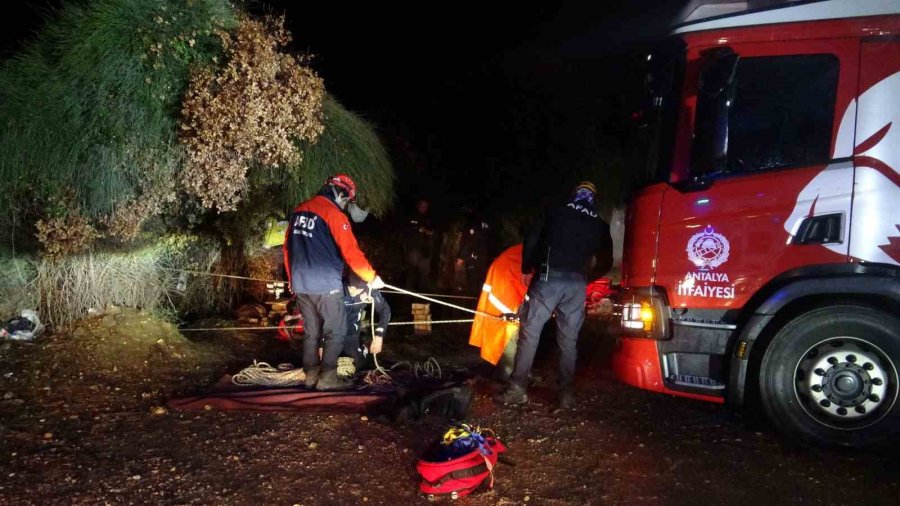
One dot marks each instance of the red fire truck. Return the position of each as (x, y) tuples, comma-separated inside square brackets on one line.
[(763, 269)]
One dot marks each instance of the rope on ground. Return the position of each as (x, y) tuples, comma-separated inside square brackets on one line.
[(382, 376), (263, 374), (379, 375), (431, 368)]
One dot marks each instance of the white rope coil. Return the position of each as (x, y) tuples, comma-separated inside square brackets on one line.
[(263, 374), (345, 367)]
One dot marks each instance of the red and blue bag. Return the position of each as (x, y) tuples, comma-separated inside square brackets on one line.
[(459, 464)]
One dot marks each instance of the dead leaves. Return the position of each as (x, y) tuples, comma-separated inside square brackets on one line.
[(251, 111)]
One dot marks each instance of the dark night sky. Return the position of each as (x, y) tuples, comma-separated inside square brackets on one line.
[(468, 94)]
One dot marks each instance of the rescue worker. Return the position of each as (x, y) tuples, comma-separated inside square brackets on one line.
[(556, 258), (419, 248), (319, 244), (474, 250), (359, 299), (501, 296)]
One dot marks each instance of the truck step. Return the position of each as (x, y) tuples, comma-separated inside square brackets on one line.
[(696, 382)]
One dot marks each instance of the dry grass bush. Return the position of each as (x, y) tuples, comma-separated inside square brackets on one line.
[(250, 112), (64, 289), (69, 287)]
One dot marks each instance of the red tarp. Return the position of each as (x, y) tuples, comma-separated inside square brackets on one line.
[(226, 396)]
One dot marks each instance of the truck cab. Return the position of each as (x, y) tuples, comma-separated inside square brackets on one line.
[(763, 266)]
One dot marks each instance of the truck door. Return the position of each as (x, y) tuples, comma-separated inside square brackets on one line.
[(875, 235), (780, 196)]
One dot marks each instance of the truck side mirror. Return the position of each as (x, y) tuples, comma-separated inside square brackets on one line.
[(715, 94)]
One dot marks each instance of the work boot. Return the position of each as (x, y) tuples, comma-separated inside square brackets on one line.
[(330, 381), (312, 376), (566, 399), (514, 394)]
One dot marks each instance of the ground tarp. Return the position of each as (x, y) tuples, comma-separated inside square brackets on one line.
[(226, 396), (407, 397)]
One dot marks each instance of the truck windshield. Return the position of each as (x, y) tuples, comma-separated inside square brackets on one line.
[(778, 114)]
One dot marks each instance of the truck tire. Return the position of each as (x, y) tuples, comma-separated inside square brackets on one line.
[(830, 376)]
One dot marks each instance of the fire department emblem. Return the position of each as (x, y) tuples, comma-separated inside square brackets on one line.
[(708, 249)]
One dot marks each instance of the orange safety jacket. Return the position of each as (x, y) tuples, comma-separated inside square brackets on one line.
[(503, 292)]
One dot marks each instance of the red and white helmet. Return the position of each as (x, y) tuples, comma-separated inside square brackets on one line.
[(344, 182)]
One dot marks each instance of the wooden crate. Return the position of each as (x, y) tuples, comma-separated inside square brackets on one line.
[(421, 313)]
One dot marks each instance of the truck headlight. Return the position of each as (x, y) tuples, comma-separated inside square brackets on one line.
[(645, 316), (637, 316)]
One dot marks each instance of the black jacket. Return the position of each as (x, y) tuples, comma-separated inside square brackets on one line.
[(355, 308), (475, 243), (417, 241), (567, 237)]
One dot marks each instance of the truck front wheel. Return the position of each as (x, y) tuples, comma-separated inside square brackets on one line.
[(830, 376)]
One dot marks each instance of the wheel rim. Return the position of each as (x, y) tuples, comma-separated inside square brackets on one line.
[(845, 383)]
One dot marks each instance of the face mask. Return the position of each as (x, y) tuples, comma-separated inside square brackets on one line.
[(357, 214), (584, 195)]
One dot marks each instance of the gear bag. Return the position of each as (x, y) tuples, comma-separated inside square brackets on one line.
[(459, 476)]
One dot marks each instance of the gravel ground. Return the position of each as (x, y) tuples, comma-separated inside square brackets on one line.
[(71, 435)]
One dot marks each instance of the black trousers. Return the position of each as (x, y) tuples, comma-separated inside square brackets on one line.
[(324, 318), (565, 297), (353, 339), (475, 273)]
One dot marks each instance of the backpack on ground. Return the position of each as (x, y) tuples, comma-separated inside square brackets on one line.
[(459, 464)]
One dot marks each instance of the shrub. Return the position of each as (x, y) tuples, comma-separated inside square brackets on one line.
[(65, 235), (248, 113), (348, 144), (120, 107), (91, 104)]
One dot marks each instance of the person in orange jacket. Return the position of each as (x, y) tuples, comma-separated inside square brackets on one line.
[(501, 295)]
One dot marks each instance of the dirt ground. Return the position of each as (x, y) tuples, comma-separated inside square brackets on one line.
[(81, 424)]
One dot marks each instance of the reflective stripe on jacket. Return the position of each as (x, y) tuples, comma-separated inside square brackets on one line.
[(503, 292)]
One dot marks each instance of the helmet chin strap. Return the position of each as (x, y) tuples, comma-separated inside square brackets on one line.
[(339, 198)]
